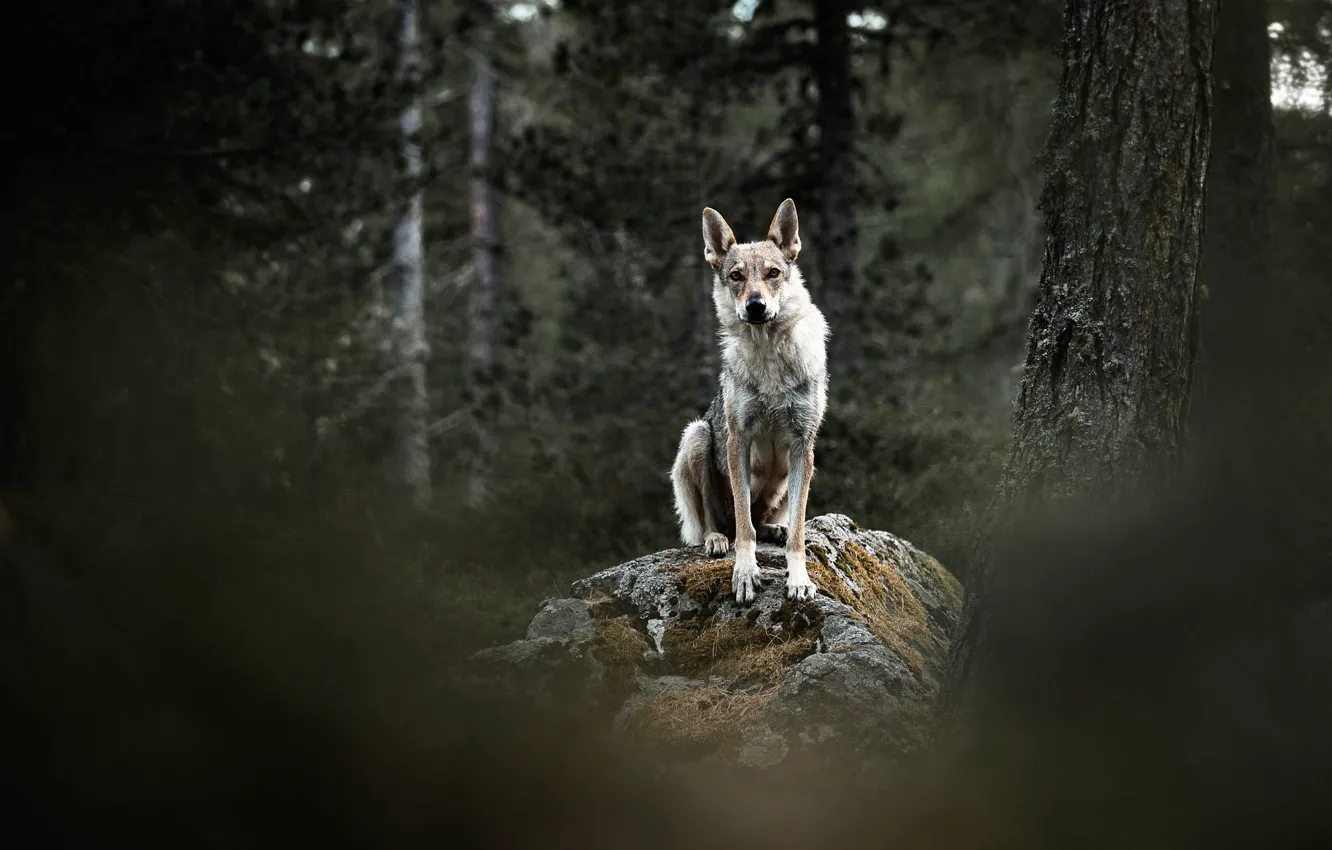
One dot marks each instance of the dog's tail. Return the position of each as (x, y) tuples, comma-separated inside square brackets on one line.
[(688, 477)]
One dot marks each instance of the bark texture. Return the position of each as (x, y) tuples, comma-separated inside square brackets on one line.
[(486, 245), (1106, 387), (1110, 357), (835, 291), (409, 265)]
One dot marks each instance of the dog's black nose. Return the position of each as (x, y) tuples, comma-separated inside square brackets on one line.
[(756, 309)]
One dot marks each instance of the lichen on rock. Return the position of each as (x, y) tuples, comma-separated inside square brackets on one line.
[(660, 644)]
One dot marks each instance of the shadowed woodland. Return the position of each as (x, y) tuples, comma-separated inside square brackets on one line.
[(336, 336)]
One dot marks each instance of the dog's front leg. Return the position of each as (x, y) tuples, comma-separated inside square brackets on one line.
[(798, 584), (745, 576)]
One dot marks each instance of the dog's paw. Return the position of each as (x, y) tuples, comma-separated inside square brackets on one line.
[(715, 545), (799, 588), (745, 581), (775, 534)]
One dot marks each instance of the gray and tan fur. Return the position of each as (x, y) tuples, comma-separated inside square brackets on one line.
[(743, 470)]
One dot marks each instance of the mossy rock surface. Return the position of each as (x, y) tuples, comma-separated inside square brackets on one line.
[(660, 643)]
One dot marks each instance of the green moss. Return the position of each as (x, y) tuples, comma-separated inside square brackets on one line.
[(739, 648), (819, 555)]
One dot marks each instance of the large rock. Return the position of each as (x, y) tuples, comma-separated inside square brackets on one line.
[(661, 647)]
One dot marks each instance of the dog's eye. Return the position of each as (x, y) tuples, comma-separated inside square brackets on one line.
[(774, 272), (737, 276)]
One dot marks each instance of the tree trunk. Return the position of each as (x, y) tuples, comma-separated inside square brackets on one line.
[(409, 264), (1110, 358), (1237, 253), (481, 376), (705, 323), (1014, 281), (835, 291)]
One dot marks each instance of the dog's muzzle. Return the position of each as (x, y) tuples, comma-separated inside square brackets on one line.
[(756, 311)]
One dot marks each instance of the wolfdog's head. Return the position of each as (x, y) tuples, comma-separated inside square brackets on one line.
[(753, 274)]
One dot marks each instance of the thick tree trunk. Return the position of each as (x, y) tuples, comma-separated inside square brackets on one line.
[(1106, 388), (836, 289), (409, 264), (481, 307), (1237, 253)]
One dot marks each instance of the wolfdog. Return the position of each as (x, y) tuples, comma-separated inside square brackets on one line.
[(757, 438)]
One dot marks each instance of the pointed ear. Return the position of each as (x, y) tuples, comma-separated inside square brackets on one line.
[(717, 238), (784, 232)]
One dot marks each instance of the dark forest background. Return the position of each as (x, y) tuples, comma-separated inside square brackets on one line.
[(336, 335)]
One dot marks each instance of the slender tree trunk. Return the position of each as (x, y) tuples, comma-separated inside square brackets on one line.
[(1110, 359), (705, 324), (836, 290), (409, 264), (1021, 224), (481, 308), (1237, 253)]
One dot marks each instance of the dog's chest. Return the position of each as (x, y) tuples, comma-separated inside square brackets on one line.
[(784, 417), (774, 391), (770, 367)]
